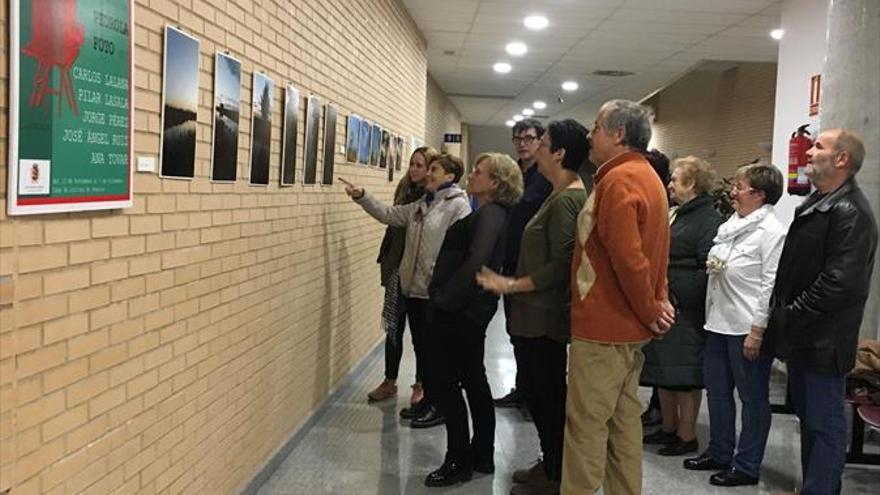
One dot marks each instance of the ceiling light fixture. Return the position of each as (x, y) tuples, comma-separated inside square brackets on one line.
[(535, 22), (510, 123), (570, 86), (539, 105), (516, 48), (502, 67), (776, 34), (528, 112), (517, 117)]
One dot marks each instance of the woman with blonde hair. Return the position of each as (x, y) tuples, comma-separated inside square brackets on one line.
[(674, 364), (410, 188), (460, 313)]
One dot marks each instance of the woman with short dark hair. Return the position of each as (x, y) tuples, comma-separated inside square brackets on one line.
[(742, 271)]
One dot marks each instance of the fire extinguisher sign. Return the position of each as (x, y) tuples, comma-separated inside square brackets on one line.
[(815, 89)]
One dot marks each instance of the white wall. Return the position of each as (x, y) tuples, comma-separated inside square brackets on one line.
[(801, 55)]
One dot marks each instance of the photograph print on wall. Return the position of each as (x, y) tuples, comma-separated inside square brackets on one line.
[(400, 158), (288, 145), (329, 144), (383, 150), (364, 142), (375, 144), (310, 155), (351, 138), (261, 128), (227, 109), (180, 101)]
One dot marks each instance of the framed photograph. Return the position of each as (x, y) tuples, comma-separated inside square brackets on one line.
[(364, 142), (391, 155), (400, 158), (351, 138), (180, 103), (261, 128), (290, 129), (329, 144), (310, 155), (375, 144), (227, 109), (383, 149), (70, 106)]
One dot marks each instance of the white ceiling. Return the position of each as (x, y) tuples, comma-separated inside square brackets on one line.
[(659, 40)]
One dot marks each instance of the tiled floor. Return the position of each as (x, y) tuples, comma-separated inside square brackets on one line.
[(358, 448)]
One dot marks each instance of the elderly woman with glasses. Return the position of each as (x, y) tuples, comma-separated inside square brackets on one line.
[(742, 271)]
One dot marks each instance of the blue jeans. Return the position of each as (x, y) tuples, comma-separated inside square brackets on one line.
[(818, 401), (725, 367)]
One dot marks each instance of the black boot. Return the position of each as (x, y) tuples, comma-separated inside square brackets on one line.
[(450, 473), (431, 417)]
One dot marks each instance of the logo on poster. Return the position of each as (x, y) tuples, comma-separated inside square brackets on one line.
[(33, 177)]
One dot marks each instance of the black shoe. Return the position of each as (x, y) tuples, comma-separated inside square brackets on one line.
[(732, 477), (704, 462), (414, 410), (512, 399), (680, 447), (660, 437), (450, 473), (431, 417), (651, 417)]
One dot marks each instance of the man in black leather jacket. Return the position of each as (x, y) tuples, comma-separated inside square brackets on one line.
[(818, 302)]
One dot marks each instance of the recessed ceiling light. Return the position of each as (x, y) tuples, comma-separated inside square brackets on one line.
[(510, 123), (539, 105), (502, 67), (776, 34), (528, 112), (570, 86), (517, 117), (516, 48), (535, 22)]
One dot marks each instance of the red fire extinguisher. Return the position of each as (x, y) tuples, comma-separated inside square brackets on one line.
[(798, 146)]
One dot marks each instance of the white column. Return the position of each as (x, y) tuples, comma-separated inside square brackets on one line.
[(851, 99)]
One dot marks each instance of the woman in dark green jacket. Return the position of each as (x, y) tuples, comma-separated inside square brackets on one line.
[(539, 310), (410, 188), (674, 364)]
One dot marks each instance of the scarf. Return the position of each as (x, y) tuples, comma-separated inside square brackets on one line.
[(429, 196), (729, 231)]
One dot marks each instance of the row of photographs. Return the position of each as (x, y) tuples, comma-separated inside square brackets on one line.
[(179, 124)]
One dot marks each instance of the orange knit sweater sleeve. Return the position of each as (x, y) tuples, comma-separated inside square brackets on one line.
[(618, 228)]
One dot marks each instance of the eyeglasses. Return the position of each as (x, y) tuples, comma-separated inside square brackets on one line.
[(527, 139), (742, 189)]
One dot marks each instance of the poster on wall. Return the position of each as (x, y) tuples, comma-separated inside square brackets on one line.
[(391, 156), (261, 128), (70, 112), (375, 144), (329, 144), (291, 126), (364, 142), (227, 109), (383, 148), (400, 158), (351, 138), (310, 155), (180, 102)]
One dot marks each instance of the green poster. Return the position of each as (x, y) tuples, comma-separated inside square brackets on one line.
[(71, 105)]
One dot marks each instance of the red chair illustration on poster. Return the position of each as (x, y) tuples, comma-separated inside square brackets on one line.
[(56, 40)]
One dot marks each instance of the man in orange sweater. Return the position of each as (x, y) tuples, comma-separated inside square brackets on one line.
[(619, 302)]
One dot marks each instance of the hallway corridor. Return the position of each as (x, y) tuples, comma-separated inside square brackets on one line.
[(354, 447)]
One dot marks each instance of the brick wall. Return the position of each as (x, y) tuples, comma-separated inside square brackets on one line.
[(174, 346), (442, 117), (724, 116)]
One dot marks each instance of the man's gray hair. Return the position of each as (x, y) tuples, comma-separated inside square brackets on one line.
[(851, 142), (635, 119)]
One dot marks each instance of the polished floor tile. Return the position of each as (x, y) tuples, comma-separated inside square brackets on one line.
[(359, 448)]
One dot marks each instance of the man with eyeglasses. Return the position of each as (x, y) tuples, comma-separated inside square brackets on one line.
[(526, 139)]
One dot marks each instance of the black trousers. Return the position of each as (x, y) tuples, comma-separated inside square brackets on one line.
[(416, 314), (543, 366), (457, 347), (394, 350), (516, 342)]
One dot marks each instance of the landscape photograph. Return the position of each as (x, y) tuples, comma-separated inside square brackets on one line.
[(180, 100), (261, 129), (290, 129), (227, 109)]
